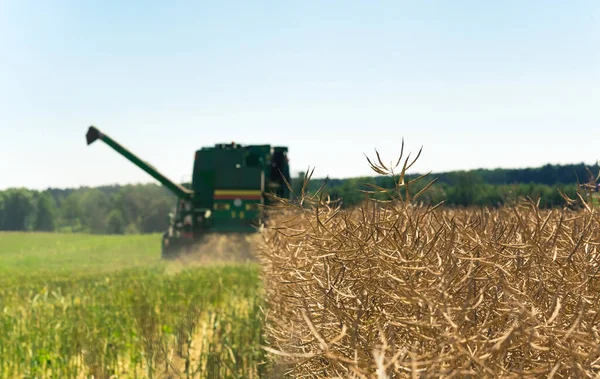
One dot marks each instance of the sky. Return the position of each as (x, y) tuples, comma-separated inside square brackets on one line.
[(477, 84)]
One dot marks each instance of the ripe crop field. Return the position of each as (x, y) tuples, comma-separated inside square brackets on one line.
[(77, 305), (399, 289)]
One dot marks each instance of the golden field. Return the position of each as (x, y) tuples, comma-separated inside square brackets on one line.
[(399, 289)]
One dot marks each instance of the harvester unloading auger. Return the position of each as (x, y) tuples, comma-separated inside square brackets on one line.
[(227, 193)]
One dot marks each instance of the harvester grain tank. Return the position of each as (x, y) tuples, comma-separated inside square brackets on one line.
[(229, 188)]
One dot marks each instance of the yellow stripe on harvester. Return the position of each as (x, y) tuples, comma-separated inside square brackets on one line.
[(237, 192)]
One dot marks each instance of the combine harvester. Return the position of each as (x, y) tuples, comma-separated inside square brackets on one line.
[(228, 191)]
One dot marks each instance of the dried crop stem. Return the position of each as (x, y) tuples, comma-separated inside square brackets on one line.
[(401, 289)]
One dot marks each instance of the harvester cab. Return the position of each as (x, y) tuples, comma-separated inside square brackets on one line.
[(229, 189)]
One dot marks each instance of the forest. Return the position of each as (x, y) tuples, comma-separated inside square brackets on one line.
[(144, 208)]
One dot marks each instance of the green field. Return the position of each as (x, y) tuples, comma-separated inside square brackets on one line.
[(80, 305)]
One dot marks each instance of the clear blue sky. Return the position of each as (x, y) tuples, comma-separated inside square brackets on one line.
[(477, 83)]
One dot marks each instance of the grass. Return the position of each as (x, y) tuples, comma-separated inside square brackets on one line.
[(64, 254), (78, 305)]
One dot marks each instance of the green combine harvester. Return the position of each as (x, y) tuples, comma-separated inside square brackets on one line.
[(227, 194)]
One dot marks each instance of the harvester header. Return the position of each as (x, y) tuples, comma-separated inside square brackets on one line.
[(230, 184)]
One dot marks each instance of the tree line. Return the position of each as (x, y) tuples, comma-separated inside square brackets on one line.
[(128, 209), (144, 208), (482, 187)]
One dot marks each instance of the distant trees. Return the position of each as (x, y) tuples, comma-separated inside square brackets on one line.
[(17, 209), (102, 210), (467, 188), (94, 208), (46, 213), (477, 187), (115, 222)]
